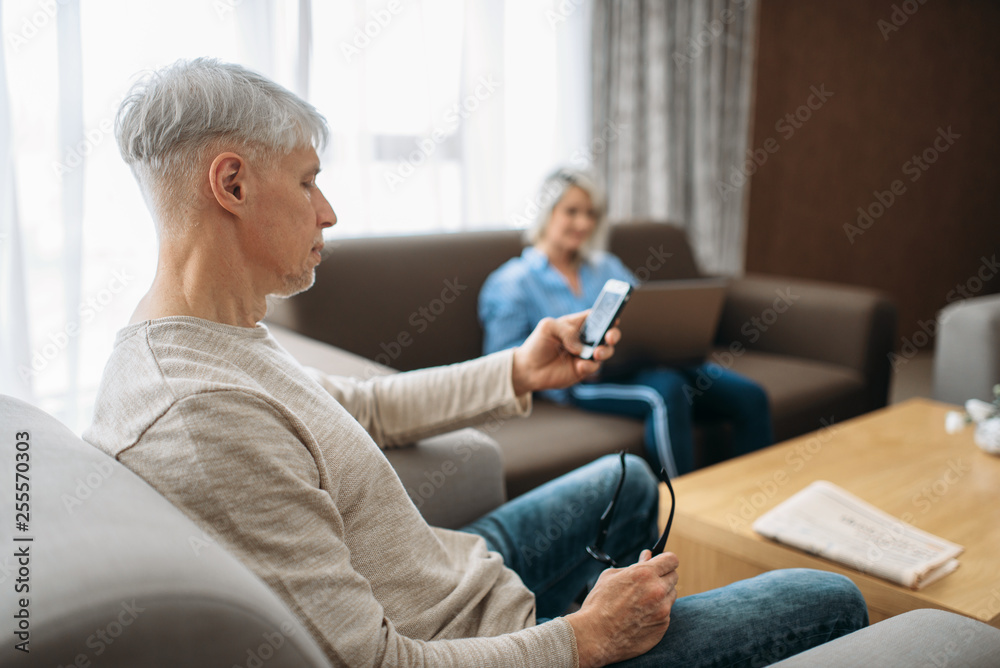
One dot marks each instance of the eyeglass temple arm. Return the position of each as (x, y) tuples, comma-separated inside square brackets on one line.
[(604, 524), (662, 542)]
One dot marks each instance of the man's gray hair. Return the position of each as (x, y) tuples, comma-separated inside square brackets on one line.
[(552, 191), (172, 117)]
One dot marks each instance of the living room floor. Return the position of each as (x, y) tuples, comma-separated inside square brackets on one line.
[(912, 378)]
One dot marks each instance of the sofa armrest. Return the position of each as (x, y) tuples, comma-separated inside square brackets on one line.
[(112, 550), (917, 638), (454, 478), (844, 325)]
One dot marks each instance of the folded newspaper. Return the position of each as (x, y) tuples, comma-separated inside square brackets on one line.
[(827, 521)]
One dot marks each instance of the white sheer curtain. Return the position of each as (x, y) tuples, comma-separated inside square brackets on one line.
[(672, 93), (81, 250), (445, 115), (14, 324)]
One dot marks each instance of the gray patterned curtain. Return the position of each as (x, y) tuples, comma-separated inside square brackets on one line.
[(672, 93)]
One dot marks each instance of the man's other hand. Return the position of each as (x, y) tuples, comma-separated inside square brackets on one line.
[(627, 612), (548, 358)]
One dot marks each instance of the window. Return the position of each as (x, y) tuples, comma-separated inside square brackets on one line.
[(444, 115)]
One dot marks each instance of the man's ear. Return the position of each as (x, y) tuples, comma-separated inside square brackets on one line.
[(228, 179)]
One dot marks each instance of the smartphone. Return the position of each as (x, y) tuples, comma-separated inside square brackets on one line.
[(614, 295)]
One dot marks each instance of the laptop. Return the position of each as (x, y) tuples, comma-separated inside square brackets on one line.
[(668, 323)]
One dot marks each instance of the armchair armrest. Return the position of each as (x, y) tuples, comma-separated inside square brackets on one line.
[(918, 637), (454, 478), (844, 325)]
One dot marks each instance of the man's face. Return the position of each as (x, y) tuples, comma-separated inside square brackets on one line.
[(286, 231)]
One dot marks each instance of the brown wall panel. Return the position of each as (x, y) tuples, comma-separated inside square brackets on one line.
[(890, 97)]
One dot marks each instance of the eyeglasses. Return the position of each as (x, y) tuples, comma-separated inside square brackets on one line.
[(597, 549)]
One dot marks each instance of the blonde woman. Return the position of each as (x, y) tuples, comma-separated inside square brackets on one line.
[(563, 271)]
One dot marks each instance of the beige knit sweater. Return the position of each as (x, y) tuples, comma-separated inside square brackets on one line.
[(282, 465)]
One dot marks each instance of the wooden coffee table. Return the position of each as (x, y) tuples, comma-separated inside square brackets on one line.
[(899, 459)]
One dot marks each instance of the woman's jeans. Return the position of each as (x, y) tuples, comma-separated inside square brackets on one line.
[(543, 535), (668, 398)]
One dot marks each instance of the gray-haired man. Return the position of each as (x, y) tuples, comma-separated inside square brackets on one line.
[(283, 465)]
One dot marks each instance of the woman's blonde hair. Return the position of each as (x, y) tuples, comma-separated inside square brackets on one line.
[(553, 189)]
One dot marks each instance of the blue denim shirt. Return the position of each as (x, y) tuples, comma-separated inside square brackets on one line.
[(528, 288)]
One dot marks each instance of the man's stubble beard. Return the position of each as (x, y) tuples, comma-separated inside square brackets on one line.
[(297, 284)]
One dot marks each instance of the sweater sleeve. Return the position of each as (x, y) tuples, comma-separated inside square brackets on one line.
[(402, 408), (250, 474)]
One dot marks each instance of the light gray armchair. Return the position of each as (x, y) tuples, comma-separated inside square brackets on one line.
[(121, 578), (967, 350)]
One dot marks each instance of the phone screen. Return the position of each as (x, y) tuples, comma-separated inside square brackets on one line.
[(602, 315)]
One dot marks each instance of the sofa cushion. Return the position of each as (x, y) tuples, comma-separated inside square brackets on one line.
[(382, 299), (802, 392), (557, 439), (654, 251), (407, 302), (410, 302)]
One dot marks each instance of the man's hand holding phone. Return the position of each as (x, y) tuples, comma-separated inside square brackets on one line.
[(550, 357), (603, 315)]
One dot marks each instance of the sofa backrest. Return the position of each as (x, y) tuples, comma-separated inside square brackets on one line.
[(410, 301), (118, 575)]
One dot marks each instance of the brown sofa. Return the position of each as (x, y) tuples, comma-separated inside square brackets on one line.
[(819, 350)]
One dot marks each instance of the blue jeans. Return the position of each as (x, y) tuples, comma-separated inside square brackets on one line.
[(543, 535), (668, 398)]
